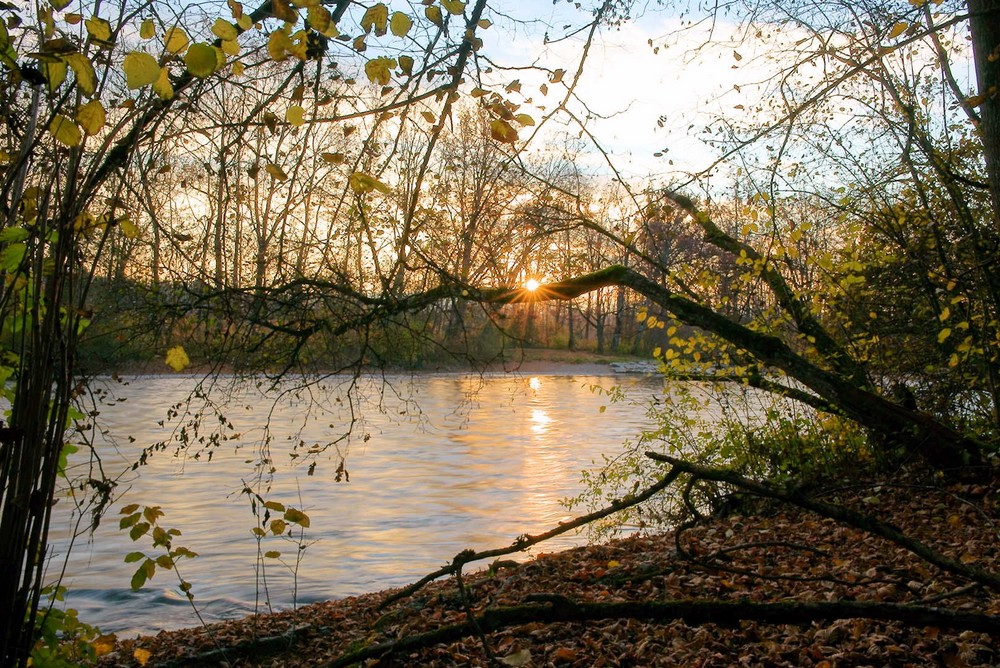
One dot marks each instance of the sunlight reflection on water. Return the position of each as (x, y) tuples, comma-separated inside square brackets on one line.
[(439, 463)]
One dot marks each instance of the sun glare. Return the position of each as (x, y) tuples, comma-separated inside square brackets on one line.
[(532, 285)]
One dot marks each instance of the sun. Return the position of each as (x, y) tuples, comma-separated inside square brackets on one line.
[(532, 285)]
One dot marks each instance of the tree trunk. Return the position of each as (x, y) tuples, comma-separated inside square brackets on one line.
[(984, 23)]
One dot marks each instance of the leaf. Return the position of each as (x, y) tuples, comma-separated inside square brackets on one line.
[(429, 116), (406, 64), (898, 29), (519, 658), (274, 505), (224, 30), (141, 69), (177, 359), (502, 131), (86, 78), (162, 86), (433, 14), (65, 131), (272, 554), (524, 119), (55, 73), (142, 656), (14, 234), (297, 517), (400, 24), (10, 258), (379, 70), (138, 531), (322, 22), (455, 7), (944, 334), (335, 159), (295, 115), (202, 60), (91, 117), (147, 30), (557, 76), (275, 171), (139, 578), (104, 644), (133, 557), (98, 29), (375, 18), (280, 9), (175, 40), (362, 183), (278, 527)]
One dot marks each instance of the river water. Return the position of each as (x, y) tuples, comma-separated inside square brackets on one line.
[(437, 464)]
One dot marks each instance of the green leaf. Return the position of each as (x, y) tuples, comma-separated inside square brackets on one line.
[(11, 257), (138, 578), (129, 509), (224, 30), (362, 183), (138, 531), (12, 234), (202, 60), (133, 557)]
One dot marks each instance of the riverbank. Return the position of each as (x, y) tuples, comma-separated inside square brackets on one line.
[(778, 561)]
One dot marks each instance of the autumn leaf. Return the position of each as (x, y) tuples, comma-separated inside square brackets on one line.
[(147, 30), (141, 69), (333, 158), (400, 24), (276, 171), (406, 64), (162, 86), (376, 18), (175, 40), (898, 29), (433, 14), (91, 117), (98, 29), (177, 359), (362, 183), (295, 115), (502, 131), (65, 131), (142, 656), (455, 7), (129, 229), (379, 70), (86, 79)]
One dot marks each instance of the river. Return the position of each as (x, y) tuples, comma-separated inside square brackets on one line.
[(437, 463)]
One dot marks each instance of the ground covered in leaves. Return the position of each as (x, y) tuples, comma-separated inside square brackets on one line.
[(774, 554)]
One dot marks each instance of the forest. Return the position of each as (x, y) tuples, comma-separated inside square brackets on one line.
[(305, 188)]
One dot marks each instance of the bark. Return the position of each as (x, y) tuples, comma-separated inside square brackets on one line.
[(984, 23)]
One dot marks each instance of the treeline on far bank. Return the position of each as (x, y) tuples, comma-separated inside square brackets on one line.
[(132, 325)]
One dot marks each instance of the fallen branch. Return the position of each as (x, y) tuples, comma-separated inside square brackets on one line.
[(526, 541), (840, 513), (725, 613)]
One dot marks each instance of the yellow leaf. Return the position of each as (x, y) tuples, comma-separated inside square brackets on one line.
[(162, 86), (91, 117), (379, 70), (280, 9), (502, 131), (433, 14), (230, 47), (275, 171), (177, 360), (279, 45), (376, 17), (524, 119), (175, 40), (333, 158), (86, 78), (142, 655), (141, 69), (73, 18), (244, 22), (898, 29), (943, 334), (945, 314), (406, 64), (453, 6), (322, 22), (65, 131), (429, 116), (98, 29), (295, 115), (400, 24), (59, 5), (147, 30), (129, 229), (55, 73), (362, 183), (202, 60), (238, 68), (224, 30), (104, 644)]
